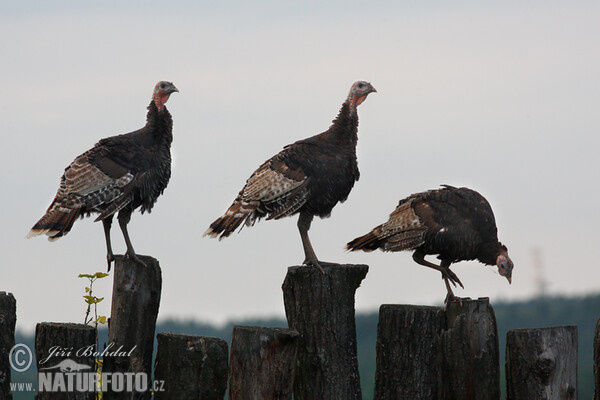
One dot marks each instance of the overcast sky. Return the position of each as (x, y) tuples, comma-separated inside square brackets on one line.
[(500, 98)]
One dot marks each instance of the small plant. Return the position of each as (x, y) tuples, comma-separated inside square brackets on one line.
[(90, 299), (96, 319)]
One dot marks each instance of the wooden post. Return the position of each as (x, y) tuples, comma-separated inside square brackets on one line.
[(262, 363), (407, 358), (321, 308), (64, 353), (190, 367), (8, 319), (597, 361), (469, 351), (541, 363), (135, 302)]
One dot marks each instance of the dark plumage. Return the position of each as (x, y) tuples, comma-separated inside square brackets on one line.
[(308, 177), (119, 174), (457, 224)]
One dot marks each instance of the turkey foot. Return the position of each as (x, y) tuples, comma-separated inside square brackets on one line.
[(319, 264), (134, 257), (448, 275), (110, 257)]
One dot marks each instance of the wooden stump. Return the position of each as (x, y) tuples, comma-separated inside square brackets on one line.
[(64, 353), (190, 367), (597, 361), (408, 365), (469, 348), (135, 302), (8, 319), (321, 308), (262, 363), (541, 363)]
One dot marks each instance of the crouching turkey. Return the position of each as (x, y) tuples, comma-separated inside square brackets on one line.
[(119, 174), (457, 224)]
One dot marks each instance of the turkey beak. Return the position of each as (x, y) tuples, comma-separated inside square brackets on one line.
[(373, 90), (509, 279), (173, 89)]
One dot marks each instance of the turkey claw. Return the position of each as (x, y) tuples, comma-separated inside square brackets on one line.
[(447, 274)]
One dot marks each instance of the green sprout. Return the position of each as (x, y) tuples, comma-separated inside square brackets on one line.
[(90, 299)]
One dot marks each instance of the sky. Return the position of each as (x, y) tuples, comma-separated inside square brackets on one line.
[(499, 97)]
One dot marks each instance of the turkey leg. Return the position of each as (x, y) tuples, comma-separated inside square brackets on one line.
[(123, 221), (110, 257), (444, 268), (304, 222)]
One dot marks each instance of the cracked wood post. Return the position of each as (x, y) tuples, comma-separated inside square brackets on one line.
[(469, 351), (135, 302), (8, 319), (321, 308), (408, 364), (262, 363), (190, 367), (597, 361), (57, 343), (541, 363)]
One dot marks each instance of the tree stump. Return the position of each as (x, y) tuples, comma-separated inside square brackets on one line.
[(541, 363), (408, 365), (190, 367), (262, 363), (8, 319), (321, 308), (597, 361), (135, 302), (64, 353), (469, 351)]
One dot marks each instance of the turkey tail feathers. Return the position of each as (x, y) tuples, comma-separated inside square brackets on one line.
[(56, 223), (369, 242), (238, 212), (377, 239)]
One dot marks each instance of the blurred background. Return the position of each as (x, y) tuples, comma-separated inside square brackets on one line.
[(502, 98)]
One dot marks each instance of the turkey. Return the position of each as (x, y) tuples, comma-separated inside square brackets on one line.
[(119, 174), (456, 223), (308, 177)]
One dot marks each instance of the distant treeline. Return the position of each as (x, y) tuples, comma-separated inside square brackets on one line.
[(583, 312)]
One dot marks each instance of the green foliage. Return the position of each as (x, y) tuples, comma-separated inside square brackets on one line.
[(90, 299)]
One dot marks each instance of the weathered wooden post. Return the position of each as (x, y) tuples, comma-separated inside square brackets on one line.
[(321, 308), (597, 361), (262, 364), (541, 363), (190, 367), (65, 361), (8, 319), (135, 302), (469, 351), (408, 365)]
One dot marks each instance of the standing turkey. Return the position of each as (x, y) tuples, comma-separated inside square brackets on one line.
[(119, 174), (308, 177), (456, 223)]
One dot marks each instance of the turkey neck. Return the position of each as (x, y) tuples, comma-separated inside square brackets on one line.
[(160, 123), (344, 130), (489, 252)]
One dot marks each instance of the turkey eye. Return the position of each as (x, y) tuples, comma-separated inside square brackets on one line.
[(361, 85), (162, 85)]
